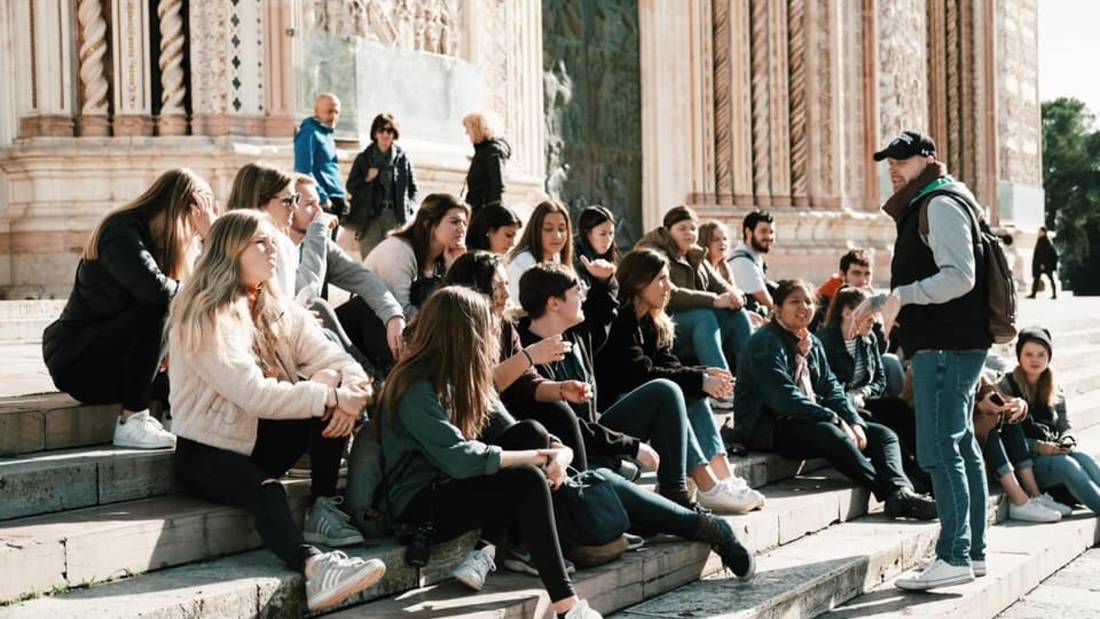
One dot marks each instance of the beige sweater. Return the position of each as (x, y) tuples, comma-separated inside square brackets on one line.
[(218, 400)]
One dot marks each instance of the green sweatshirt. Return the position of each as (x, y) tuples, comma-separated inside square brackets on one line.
[(425, 447)]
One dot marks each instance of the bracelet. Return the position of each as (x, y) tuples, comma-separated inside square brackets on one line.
[(336, 396), (528, 355), (561, 391)]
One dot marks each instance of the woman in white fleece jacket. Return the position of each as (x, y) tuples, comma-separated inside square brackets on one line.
[(251, 374)]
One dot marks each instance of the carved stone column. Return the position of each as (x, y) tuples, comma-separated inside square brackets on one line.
[(761, 133), (279, 63), (172, 119), (93, 51), (132, 88), (825, 133), (778, 97), (227, 67), (903, 67), (796, 17), (53, 96)]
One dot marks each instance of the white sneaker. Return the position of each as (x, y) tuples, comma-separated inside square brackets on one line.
[(581, 610), (1033, 511), (475, 566), (741, 485), (141, 431), (939, 574), (335, 577), (1048, 502), (726, 498), (978, 567)]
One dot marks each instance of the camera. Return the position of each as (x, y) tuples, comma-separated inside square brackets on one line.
[(1067, 442), (418, 546)]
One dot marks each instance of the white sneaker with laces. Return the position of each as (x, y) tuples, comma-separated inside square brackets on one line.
[(142, 431), (939, 574), (725, 498), (581, 610), (475, 567), (1048, 502), (327, 524), (1033, 511), (334, 577), (740, 484)]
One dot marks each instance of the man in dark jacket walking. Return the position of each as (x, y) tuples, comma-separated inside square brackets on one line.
[(1044, 262), (315, 153), (938, 301)]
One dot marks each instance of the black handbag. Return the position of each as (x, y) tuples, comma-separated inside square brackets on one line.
[(587, 510)]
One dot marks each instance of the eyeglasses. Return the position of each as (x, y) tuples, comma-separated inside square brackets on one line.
[(389, 130), (292, 200)]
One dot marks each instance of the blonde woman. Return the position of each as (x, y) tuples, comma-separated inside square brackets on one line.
[(252, 377), (107, 347), (485, 179), (271, 191)]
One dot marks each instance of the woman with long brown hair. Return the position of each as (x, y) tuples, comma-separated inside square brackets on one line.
[(107, 345), (252, 377), (548, 237), (639, 350), (271, 191)]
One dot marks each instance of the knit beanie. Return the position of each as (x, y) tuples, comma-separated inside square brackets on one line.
[(1039, 335), (677, 214)]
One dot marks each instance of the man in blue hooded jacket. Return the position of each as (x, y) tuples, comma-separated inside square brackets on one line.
[(315, 153)]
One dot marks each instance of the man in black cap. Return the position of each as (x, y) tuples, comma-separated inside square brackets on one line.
[(937, 301)]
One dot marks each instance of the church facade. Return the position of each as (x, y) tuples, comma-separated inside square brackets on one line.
[(640, 105)]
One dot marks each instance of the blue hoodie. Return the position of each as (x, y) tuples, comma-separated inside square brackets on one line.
[(315, 155)]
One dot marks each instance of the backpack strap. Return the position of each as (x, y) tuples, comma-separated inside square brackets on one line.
[(968, 206)]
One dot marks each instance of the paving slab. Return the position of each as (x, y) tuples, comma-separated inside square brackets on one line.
[(1073, 591)]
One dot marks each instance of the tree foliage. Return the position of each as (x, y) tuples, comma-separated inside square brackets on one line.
[(1071, 180)]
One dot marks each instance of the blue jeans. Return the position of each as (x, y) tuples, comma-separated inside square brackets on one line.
[(650, 512), (1077, 470), (1005, 450), (943, 386), (712, 336)]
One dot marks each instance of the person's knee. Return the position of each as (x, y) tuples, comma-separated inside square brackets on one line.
[(662, 391), (523, 480), (529, 434)]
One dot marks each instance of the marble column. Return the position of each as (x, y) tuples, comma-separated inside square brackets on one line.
[(778, 98), (133, 113), (93, 120), (172, 119), (50, 54), (279, 68)]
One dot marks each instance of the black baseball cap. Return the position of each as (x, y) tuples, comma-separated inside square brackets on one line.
[(908, 144)]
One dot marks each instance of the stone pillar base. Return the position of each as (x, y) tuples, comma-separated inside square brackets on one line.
[(94, 126), (48, 125), (279, 126), (133, 124), (172, 124)]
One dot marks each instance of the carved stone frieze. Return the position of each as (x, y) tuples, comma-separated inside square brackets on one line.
[(426, 25)]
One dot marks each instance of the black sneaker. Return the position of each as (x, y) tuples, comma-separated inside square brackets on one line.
[(722, 539), (908, 504)]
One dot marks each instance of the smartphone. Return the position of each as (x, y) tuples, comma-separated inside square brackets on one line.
[(997, 399)]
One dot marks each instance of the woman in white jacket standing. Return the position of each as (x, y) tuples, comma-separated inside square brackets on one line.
[(246, 365)]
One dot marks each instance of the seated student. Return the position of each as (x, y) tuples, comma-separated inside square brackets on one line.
[(107, 345), (252, 378), (747, 261), (655, 411), (1046, 427), (857, 363), (595, 242), (323, 262), (453, 452), (493, 228), (788, 401), (997, 427), (706, 310), (548, 238), (414, 259), (271, 191), (639, 350), (714, 239)]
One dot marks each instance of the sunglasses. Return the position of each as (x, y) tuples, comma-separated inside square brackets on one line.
[(292, 200), (389, 130)]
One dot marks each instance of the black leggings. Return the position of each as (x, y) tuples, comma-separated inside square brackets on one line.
[(560, 420), (119, 361), (879, 468), (230, 478), (516, 496), (279, 444)]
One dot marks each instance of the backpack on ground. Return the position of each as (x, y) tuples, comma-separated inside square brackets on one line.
[(365, 485), (1000, 287)]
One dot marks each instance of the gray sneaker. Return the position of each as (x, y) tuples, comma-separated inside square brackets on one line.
[(327, 524), (334, 577), (475, 567)]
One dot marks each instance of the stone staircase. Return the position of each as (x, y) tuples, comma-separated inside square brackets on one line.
[(90, 530)]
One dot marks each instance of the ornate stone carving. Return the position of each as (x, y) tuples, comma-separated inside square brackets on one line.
[(761, 161), (722, 91), (954, 127), (797, 56), (778, 109), (211, 71), (173, 89), (93, 50), (425, 25), (902, 67)]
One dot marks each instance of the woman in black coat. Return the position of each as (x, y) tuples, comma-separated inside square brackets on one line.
[(382, 186), (107, 346), (485, 179)]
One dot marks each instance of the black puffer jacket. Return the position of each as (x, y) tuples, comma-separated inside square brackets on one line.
[(485, 179), (125, 274)]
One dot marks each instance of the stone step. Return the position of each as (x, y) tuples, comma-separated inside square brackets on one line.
[(859, 560), (52, 421), (24, 321), (38, 554), (1073, 591), (1021, 555)]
